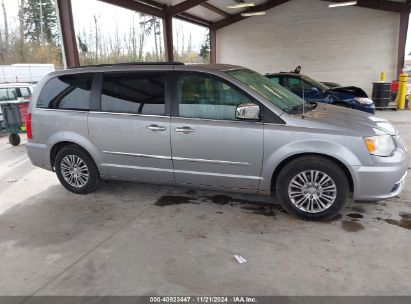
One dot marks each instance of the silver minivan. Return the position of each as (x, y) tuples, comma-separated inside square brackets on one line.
[(212, 126)]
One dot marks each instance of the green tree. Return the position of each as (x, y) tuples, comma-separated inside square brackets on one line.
[(40, 27), (82, 45), (205, 48)]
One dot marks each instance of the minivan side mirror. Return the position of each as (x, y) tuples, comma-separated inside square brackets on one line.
[(247, 111)]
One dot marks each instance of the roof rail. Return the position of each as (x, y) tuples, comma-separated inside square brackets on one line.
[(127, 63)]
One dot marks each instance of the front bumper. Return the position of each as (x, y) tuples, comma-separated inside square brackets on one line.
[(385, 179)]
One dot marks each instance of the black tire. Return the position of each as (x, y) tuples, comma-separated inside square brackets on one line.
[(341, 104), (14, 139), (308, 163), (93, 180)]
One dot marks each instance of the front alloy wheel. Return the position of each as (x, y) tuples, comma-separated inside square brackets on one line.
[(312, 191), (312, 187)]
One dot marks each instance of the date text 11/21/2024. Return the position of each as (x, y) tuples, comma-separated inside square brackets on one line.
[(203, 299)]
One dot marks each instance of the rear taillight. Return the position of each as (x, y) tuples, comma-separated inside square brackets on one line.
[(28, 126)]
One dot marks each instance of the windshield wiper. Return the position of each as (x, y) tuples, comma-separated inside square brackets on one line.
[(308, 106), (313, 104)]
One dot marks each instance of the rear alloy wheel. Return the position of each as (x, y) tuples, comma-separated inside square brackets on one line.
[(76, 170), (312, 187)]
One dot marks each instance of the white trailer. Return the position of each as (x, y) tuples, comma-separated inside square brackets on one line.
[(24, 72)]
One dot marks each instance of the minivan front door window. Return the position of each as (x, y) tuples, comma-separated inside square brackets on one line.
[(209, 98)]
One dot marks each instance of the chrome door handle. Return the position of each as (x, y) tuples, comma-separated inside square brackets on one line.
[(156, 128), (185, 130)]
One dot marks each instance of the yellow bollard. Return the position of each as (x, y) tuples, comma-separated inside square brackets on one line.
[(382, 76), (402, 91)]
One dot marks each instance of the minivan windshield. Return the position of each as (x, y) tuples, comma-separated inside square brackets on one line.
[(275, 93)]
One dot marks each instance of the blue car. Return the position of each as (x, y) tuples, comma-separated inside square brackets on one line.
[(312, 90)]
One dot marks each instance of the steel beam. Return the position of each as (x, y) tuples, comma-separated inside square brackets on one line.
[(68, 34), (183, 6), (137, 6), (215, 9), (402, 38), (168, 36), (213, 46)]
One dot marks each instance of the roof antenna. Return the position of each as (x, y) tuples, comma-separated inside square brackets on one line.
[(302, 87)]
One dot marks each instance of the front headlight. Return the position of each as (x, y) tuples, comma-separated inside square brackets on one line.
[(364, 100), (381, 145)]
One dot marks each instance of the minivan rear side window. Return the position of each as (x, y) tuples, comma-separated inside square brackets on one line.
[(70, 92), (136, 93)]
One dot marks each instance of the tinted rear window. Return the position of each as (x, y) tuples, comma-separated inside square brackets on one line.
[(137, 93), (71, 92)]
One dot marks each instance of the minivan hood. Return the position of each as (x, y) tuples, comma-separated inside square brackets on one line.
[(348, 121), (350, 90)]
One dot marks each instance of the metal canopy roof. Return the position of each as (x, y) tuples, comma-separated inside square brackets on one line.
[(215, 13)]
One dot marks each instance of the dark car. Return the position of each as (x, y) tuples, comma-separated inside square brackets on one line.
[(331, 84), (312, 90)]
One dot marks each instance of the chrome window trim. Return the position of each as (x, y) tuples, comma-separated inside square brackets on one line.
[(217, 120), (128, 114), (100, 112), (62, 110)]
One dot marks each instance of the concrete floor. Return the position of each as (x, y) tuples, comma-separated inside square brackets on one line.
[(138, 239)]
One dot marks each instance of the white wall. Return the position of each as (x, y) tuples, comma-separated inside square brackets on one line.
[(348, 45)]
